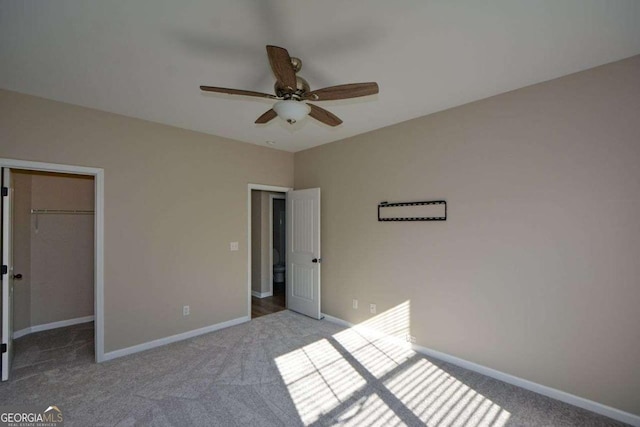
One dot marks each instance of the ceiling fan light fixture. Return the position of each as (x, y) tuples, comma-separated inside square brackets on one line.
[(291, 110)]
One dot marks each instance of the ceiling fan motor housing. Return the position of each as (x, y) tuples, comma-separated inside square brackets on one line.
[(302, 87)]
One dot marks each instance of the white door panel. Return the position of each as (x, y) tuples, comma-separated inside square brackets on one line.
[(303, 261), (7, 278)]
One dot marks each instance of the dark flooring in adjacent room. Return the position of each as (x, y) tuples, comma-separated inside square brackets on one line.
[(282, 369), (269, 305)]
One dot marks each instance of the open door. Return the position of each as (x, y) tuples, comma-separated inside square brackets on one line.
[(303, 247), (7, 273)]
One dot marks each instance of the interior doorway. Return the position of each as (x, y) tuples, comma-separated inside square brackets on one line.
[(52, 241), (53, 253), (268, 252), (303, 259), (254, 198)]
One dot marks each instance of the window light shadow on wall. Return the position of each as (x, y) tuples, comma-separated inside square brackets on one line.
[(368, 375)]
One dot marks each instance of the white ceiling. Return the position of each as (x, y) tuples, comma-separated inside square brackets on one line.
[(146, 58)]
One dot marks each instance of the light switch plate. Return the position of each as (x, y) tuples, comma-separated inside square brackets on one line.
[(233, 246)]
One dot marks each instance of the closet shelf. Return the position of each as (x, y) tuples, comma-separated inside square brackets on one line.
[(62, 211)]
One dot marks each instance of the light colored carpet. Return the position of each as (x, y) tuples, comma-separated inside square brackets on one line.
[(281, 369)]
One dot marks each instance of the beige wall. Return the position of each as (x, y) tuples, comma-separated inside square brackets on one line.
[(166, 239), (21, 250), (62, 249), (535, 273)]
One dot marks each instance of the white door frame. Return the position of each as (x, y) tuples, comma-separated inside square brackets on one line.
[(7, 277), (271, 197), (98, 174), (260, 187)]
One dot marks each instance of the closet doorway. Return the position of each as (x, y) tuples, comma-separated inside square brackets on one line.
[(52, 247), (53, 252)]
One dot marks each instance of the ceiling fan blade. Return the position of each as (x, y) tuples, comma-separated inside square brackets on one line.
[(281, 65), (352, 90), (324, 116), (236, 92), (267, 117)]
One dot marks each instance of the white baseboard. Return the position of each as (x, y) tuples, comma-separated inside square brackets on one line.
[(53, 325), (261, 294), (21, 333), (590, 405), (337, 320), (173, 338)]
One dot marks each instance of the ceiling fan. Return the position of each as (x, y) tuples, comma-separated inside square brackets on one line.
[(292, 91)]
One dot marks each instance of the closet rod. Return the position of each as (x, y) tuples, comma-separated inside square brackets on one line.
[(62, 211)]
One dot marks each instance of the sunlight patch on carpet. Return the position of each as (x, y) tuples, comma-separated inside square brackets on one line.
[(369, 375), (437, 398), (318, 378)]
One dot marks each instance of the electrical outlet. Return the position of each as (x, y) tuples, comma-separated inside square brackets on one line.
[(355, 304), (233, 246), (411, 339), (372, 308), (186, 310)]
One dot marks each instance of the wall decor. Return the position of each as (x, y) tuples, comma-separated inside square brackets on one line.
[(431, 210)]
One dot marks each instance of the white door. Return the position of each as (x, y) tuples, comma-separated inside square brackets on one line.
[(7, 273), (303, 249)]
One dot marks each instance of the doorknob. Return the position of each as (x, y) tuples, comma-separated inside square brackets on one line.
[(17, 276), (316, 260)]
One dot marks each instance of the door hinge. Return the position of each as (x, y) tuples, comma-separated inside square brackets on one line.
[(4, 348), (5, 270), (5, 191)]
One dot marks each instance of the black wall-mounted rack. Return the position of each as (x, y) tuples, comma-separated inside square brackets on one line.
[(382, 205)]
